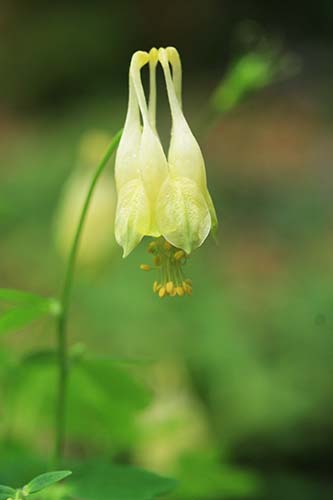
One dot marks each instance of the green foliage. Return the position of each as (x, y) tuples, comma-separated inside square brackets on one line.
[(44, 480), (201, 476), (38, 483), (20, 297), (251, 72), (98, 481), (93, 480), (6, 492), (24, 308), (104, 399)]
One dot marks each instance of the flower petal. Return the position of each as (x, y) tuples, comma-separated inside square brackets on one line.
[(153, 163), (127, 167), (153, 60), (185, 157), (182, 213), (132, 215)]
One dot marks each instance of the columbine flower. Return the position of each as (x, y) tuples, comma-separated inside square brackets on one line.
[(164, 198)]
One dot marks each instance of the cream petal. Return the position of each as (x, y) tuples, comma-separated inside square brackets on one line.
[(127, 159), (140, 153), (185, 157), (132, 215), (126, 164), (183, 216), (174, 59), (139, 59), (212, 212), (153, 163), (153, 60)]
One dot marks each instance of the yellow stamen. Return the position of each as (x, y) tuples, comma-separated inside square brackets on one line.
[(145, 267), (152, 247), (186, 286), (169, 261), (157, 260), (169, 287), (179, 254)]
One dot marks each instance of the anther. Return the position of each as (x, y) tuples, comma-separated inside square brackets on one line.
[(187, 288), (179, 254), (169, 287), (145, 267), (157, 260), (168, 260), (152, 247)]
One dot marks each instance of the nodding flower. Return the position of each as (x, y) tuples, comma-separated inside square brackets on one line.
[(163, 197)]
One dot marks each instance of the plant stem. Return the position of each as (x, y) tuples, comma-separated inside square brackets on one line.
[(65, 302)]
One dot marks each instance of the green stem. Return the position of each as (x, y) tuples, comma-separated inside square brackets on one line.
[(65, 302)]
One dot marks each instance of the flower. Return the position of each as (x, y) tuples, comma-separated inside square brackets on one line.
[(166, 198), (97, 239)]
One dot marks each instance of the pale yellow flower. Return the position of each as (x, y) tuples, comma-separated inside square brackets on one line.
[(97, 239), (166, 198)]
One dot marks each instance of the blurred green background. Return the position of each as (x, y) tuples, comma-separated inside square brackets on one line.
[(229, 391)]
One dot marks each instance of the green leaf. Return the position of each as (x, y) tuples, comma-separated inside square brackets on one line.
[(45, 480), (20, 297), (108, 404), (104, 400), (26, 307), (6, 492), (14, 319), (203, 476), (98, 481), (40, 357)]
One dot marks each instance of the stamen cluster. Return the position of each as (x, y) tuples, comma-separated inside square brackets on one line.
[(169, 262)]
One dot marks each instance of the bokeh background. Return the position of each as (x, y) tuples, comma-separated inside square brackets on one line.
[(229, 391)]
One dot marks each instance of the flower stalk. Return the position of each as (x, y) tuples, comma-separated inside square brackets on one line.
[(63, 315)]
